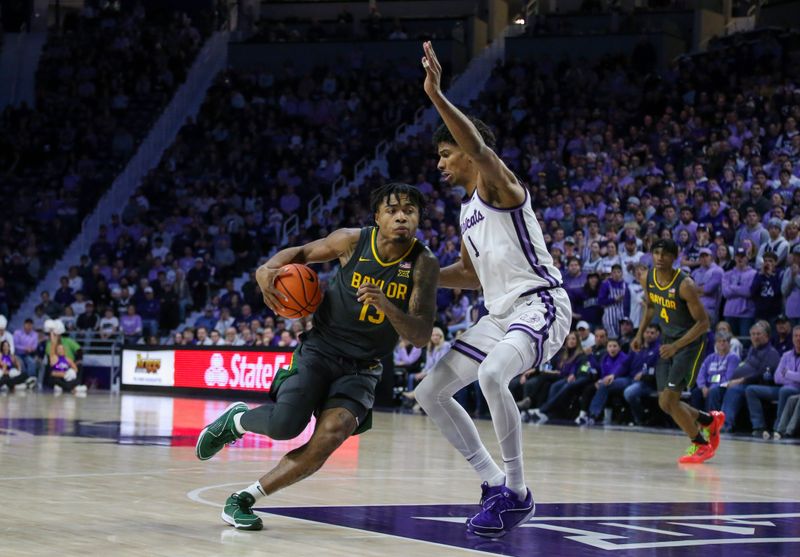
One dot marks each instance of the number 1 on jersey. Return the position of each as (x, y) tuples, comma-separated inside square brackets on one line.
[(474, 247)]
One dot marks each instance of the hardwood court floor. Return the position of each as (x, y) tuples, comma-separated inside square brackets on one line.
[(117, 475)]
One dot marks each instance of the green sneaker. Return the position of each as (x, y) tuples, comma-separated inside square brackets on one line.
[(238, 512), (219, 433)]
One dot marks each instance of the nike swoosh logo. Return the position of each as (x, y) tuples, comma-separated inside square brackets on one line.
[(364, 259)]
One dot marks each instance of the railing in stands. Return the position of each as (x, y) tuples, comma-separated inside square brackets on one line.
[(100, 351)]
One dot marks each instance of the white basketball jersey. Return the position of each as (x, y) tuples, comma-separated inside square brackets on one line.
[(507, 249)]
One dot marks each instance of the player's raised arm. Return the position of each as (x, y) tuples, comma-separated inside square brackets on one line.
[(495, 175), (339, 244)]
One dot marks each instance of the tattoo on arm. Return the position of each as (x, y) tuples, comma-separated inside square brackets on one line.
[(417, 324), (423, 298)]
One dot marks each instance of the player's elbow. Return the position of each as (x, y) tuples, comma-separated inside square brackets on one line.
[(421, 339)]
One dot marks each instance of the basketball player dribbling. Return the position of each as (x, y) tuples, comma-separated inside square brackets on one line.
[(386, 285), (671, 299), (503, 252)]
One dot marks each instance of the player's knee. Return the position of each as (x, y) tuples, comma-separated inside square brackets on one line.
[(666, 402), (491, 376), (330, 434), (433, 389), (286, 425)]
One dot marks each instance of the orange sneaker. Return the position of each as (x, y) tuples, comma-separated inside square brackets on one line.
[(697, 453), (715, 428)]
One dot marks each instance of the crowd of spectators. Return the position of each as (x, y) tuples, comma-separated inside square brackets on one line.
[(373, 26), (261, 147), (705, 152), (103, 78)]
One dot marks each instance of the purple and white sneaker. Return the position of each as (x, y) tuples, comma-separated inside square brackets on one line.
[(501, 514), (489, 492)]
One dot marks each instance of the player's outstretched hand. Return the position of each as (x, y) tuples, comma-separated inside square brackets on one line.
[(265, 277), (636, 344), (369, 293), (433, 70)]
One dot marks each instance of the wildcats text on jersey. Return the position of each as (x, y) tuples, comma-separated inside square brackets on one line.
[(471, 220)]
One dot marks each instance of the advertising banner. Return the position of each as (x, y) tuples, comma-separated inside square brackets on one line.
[(208, 368)]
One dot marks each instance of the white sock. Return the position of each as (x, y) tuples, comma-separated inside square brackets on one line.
[(514, 480), (255, 490), (237, 423), (484, 465)]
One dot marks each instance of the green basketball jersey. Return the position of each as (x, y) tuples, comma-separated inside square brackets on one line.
[(350, 329), (672, 311)]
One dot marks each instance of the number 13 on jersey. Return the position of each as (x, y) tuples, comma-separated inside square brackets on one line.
[(376, 319)]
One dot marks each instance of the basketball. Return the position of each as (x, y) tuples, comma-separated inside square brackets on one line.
[(300, 284)]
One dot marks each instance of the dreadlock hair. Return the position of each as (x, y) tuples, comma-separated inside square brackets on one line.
[(385, 192), (443, 135)]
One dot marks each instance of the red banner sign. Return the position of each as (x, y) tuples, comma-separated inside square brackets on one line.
[(228, 369)]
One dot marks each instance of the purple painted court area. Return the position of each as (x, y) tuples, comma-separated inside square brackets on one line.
[(588, 529)]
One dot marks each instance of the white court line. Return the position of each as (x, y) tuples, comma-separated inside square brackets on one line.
[(643, 529), (101, 474), (395, 536)]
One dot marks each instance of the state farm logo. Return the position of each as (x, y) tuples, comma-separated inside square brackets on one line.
[(216, 374), (246, 375)]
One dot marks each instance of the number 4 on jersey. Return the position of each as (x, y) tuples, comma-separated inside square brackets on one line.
[(664, 315)]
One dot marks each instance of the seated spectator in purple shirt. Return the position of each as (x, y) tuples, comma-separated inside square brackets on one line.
[(613, 379), (131, 324), (26, 341), (407, 357), (716, 370), (536, 383), (149, 311), (589, 301), (785, 383), (458, 317), (757, 367)]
